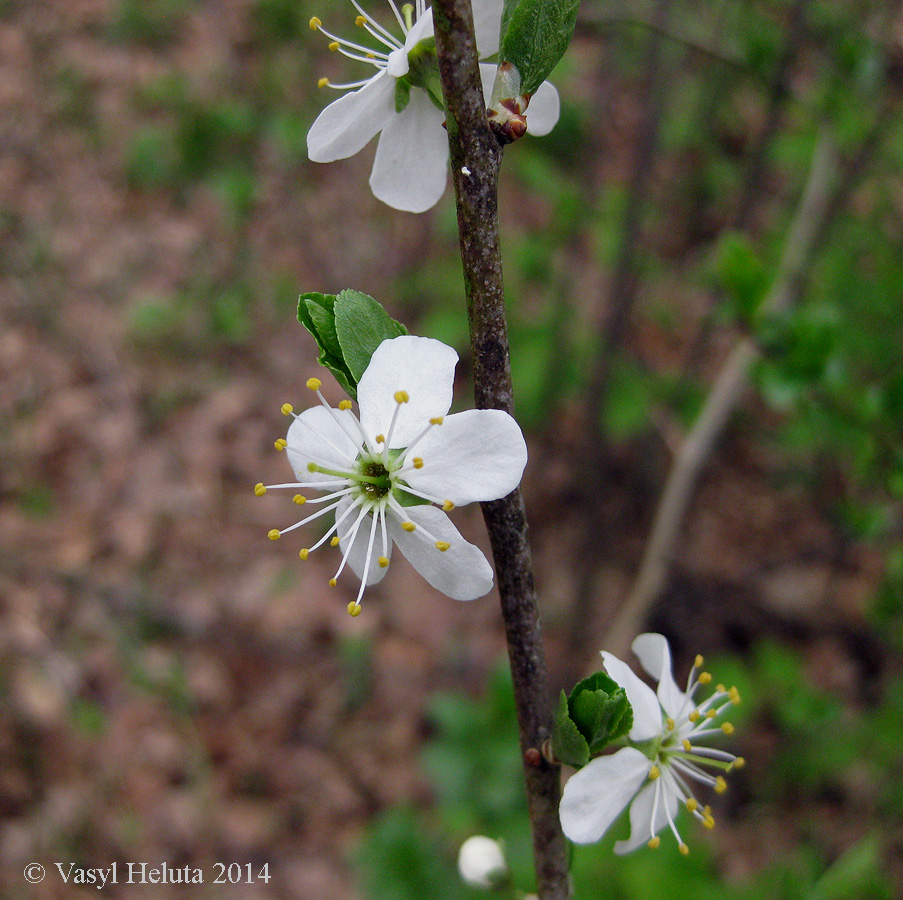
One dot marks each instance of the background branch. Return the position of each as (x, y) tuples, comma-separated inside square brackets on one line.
[(475, 158), (700, 442)]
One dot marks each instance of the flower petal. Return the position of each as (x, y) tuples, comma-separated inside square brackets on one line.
[(422, 28), (654, 655), (347, 124), (642, 824), (595, 796), (487, 23), (317, 436), (543, 110), (647, 714), (461, 572), (422, 367), (410, 169), (357, 555), (475, 455)]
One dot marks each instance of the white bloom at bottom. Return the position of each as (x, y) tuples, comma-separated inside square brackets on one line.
[(666, 750), (481, 862), (393, 473)]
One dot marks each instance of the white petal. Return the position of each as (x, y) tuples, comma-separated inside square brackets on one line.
[(424, 368), (347, 124), (595, 796), (487, 22), (654, 655), (543, 110), (317, 436), (475, 455), (357, 556), (461, 572), (647, 714), (410, 167), (423, 28), (487, 76), (642, 825)]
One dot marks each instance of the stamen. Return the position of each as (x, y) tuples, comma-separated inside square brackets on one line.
[(442, 545), (417, 462), (408, 526), (274, 534), (280, 443), (299, 499), (335, 541), (354, 608), (364, 21), (287, 409), (259, 489), (653, 842)]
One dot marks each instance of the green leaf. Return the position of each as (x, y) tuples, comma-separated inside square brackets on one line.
[(534, 37), (316, 312), (347, 328), (568, 744), (361, 325), (599, 708)]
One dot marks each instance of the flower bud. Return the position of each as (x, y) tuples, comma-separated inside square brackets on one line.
[(481, 863)]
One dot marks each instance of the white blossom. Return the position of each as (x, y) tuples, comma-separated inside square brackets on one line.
[(481, 863), (666, 750), (392, 473), (410, 167)]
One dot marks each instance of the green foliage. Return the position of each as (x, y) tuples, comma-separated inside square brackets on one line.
[(347, 328), (534, 36), (152, 22), (596, 714)]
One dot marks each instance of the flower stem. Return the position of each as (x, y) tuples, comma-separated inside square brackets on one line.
[(475, 159)]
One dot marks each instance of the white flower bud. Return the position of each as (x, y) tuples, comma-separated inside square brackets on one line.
[(481, 862)]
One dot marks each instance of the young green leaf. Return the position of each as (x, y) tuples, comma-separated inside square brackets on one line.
[(361, 325), (568, 744), (534, 37)]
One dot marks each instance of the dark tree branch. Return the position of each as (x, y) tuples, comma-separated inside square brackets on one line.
[(475, 159)]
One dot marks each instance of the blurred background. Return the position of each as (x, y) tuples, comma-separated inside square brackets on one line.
[(725, 178)]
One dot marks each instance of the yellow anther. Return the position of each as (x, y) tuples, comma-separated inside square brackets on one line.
[(344, 404), (437, 420), (694, 716), (401, 397), (334, 541), (287, 409), (721, 688), (734, 695), (417, 462), (314, 383), (370, 55), (299, 499), (711, 713), (709, 822), (698, 661), (323, 82), (260, 489), (332, 582), (442, 545), (383, 562), (447, 505), (738, 763), (315, 23), (274, 534), (720, 784), (333, 46), (408, 526), (652, 843), (654, 772), (727, 728), (380, 439), (687, 745), (280, 443), (707, 811), (359, 21), (684, 849), (303, 553), (354, 608), (670, 724), (691, 804), (705, 677)]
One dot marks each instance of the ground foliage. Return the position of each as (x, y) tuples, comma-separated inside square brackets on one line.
[(174, 687)]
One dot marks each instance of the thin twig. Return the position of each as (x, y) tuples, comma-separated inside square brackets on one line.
[(475, 158), (700, 442)]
